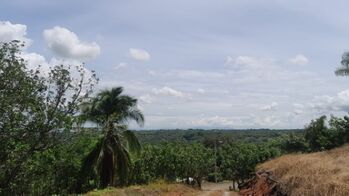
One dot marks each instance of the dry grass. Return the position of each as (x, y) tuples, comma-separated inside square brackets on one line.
[(154, 189), (322, 173)]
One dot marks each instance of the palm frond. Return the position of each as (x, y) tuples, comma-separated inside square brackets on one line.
[(89, 162), (134, 114), (123, 162), (342, 71), (132, 141)]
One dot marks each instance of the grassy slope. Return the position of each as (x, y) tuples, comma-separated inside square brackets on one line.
[(322, 173), (154, 189)]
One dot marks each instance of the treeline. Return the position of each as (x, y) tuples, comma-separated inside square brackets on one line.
[(181, 161), (58, 170), (202, 135), (321, 134)]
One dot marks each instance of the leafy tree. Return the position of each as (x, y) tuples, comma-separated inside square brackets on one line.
[(319, 136), (146, 167), (110, 158), (294, 143), (56, 170), (35, 109), (341, 127), (173, 161), (238, 160), (197, 162)]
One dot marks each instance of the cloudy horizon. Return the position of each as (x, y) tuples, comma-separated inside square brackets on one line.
[(232, 64)]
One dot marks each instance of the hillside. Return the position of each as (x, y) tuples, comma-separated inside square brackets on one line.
[(321, 173)]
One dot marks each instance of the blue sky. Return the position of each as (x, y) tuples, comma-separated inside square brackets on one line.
[(198, 64)]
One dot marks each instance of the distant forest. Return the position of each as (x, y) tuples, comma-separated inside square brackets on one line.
[(203, 135)]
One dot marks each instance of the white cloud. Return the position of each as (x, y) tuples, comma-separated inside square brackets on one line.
[(121, 65), (327, 103), (34, 60), (139, 54), (298, 108), (152, 72), (167, 91), (66, 44), (298, 111), (299, 59), (201, 91), (221, 121), (188, 74), (298, 105), (270, 107), (229, 61), (249, 62), (9, 32), (146, 98), (267, 121)]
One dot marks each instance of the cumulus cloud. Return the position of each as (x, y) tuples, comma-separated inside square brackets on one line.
[(152, 72), (270, 107), (217, 121), (9, 32), (34, 60), (37, 61), (201, 91), (266, 121), (139, 54), (249, 62), (298, 108), (66, 44), (146, 98), (327, 103), (121, 65), (299, 59), (196, 74), (167, 91), (187, 74), (222, 121)]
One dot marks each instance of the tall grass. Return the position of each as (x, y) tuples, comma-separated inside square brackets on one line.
[(320, 174)]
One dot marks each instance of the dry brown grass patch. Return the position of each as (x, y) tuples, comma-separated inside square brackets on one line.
[(154, 189), (322, 173)]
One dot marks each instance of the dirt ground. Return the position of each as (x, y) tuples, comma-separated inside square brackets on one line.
[(217, 189)]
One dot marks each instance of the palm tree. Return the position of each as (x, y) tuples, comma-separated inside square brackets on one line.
[(344, 69), (109, 160)]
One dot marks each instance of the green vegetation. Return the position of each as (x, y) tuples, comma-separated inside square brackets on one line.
[(109, 160), (36, 110), (209, 136), (173, 161), (44, 149)]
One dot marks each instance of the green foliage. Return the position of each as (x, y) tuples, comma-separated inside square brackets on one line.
[(320, 137), (110, 161), (57, 170), (35, 109), (208, 137), (317, 136), (292, 143), (238, 160), (172, 161)]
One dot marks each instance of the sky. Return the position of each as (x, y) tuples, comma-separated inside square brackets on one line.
[(198, 64)]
